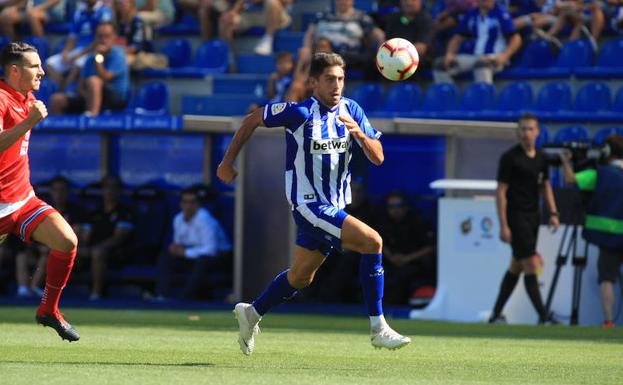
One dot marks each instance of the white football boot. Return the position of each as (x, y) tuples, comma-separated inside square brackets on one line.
[(388, 338), (248, 320)]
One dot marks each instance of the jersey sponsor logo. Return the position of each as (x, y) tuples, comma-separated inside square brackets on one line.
[(277, 108), (329, 146), (309, 196), (18, 109)]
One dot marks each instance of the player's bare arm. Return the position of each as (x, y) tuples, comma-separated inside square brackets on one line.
[(371, 147), (226, 170), (38, 112)]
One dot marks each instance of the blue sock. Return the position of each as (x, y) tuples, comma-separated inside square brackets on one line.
[(276, 293), (372, 281)]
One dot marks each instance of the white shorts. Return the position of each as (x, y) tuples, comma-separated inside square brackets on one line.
[(56, 61)]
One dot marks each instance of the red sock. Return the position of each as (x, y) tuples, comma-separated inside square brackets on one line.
[(57, 274)]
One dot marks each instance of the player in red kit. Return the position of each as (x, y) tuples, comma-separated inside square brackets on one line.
[(21, 212)]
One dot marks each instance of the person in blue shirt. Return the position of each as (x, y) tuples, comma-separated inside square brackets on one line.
[(320, 135), (105, 79), (496, 38), (80, 42)]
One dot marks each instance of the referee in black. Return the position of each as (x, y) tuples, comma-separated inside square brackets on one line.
[(522, 174)]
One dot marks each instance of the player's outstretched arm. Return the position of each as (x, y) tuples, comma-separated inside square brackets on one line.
[(226, 170), (37, 113)]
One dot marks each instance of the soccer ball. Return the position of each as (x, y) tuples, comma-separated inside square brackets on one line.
[(397, 59)]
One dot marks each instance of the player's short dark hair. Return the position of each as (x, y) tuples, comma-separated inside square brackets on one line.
[(14, 52), (528, 116), (615, 142), (322, 60)]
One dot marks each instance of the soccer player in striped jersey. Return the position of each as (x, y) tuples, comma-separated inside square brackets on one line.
[(21, 212), (320, 133)]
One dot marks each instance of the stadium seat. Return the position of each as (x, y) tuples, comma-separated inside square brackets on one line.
[(213, 55), (60, 44), (239, 84), (571, 134), (617, 106), (593, 97), (41, 44), (46, 89), (178, 51), (220, 105), (440, 97), (538, 54), (601, 135), (152, 99), (403, 97), (477, 97), (255, 64), (575, 53), (516, 96), (554, 97), (4, 41), (368, 95), (609, 62), (543, 137), (288, 41)]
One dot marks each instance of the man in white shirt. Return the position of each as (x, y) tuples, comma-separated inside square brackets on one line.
[(198, 245)]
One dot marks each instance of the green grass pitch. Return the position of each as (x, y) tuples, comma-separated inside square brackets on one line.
[(184, 347)]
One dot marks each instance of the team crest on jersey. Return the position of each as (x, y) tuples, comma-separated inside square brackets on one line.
[(277, 108), (329, 146)]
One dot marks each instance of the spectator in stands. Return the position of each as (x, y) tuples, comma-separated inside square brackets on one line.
[(497, 41), (413, 23), (576, 13), (613, 10), (300, 89), (138, 38), (240, 18), (63, 68), (37, 13), (106, 234), (207, 12), (449, 13), (351, 32), (29, 255), (280, 80), (156, 13), (104, 82), (408, 249), (199, 246)]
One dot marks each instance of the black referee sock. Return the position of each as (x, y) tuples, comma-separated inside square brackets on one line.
[(532, 287), (506, 289)]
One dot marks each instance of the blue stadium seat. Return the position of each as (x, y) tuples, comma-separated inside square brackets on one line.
[(538, 54), (41, 44), (477, 97), (213, 55), (288, 41), (575, 53), (60, 44), (516, 96), (255, 64), (543, 137), (368, 95), (239, 84), (152, 99), (4, 41), (178, 51), (617, 106), (593, 97), (440, 97), (554, 97), (571, 134), (609, 62), (403, 97), (601, 135)]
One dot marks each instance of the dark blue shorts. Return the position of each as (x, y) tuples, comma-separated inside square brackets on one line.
[(319, 227)]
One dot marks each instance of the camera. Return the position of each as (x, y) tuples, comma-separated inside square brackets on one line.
[(583, 154)]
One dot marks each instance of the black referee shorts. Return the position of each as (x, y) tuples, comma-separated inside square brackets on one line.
[(524, 229), (608, 264)]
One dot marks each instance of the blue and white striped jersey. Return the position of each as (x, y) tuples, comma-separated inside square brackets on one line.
[(318, 149)]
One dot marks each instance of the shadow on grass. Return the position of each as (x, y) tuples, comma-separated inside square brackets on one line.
[(102, 363)]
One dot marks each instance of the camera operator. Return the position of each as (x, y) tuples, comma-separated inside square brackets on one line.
[(522, 173), (604, 220)]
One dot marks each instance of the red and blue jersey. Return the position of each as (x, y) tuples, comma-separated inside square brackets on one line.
[(318, 149)]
